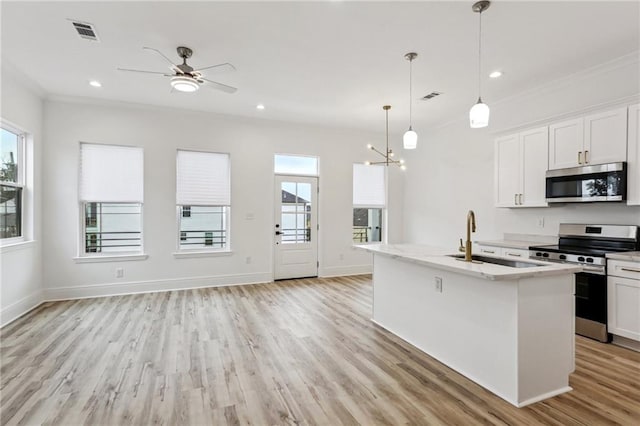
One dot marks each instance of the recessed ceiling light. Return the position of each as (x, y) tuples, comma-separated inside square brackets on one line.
[(495, 74), (95, 83), (260, 106)]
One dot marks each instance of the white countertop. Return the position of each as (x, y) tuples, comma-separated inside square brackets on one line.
[(515, 244), (630, 256), (437, 257)]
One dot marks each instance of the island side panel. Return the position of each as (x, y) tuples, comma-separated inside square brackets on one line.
[(546, 339), (471, 326)]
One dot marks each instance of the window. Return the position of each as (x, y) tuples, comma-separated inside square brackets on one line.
[(203, 200), (11, 183), (295, 165), (368, 203), (111, 196)]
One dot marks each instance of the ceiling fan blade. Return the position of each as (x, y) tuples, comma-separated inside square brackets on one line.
[(173, 66), (220, 86), (226, 67), (146, 72)]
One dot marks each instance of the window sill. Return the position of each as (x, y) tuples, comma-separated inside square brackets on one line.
[(117, 258), (17, 244), (194, 254)]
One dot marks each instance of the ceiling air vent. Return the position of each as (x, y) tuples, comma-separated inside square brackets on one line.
[(430, 96), (85, 30)]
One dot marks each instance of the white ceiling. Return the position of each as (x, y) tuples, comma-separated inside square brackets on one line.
[(330, 63)]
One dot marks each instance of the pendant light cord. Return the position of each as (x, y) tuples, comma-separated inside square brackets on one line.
[(479, 57), (410, 91), (387, 132)]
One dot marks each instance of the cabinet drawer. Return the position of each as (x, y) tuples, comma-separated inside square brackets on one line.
[(624, 269), (517, 253), (495, 251)]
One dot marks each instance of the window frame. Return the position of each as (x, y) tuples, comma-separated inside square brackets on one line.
[(381, 207), (83, 254), (201, 251), (21, 183), (88, 257)]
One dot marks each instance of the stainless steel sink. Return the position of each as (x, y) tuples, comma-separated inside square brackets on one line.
[(497, 261)]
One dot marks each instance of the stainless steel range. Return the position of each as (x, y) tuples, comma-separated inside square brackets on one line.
[(587, 245)]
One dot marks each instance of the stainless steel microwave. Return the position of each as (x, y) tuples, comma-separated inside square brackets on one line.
[(601, 182)]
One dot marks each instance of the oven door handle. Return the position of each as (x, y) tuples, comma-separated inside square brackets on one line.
[(599, 271)]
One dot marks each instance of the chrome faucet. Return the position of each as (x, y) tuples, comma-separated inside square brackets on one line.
[(471, 227)]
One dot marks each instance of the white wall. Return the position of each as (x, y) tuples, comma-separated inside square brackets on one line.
[(20, 265), (452, 170), (251, 144)]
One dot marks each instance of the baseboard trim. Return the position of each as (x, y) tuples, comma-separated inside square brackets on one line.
[(343, 271), (21, 307), (151, 286)]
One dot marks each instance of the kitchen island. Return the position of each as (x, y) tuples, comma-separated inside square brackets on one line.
[(509, 329)]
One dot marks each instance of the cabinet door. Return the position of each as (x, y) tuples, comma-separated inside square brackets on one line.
[(605, 137), (534, 148), (623, 307), (507, 171), (633, 156), (565, 144)]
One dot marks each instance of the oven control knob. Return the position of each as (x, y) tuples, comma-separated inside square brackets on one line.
[(545, 254), (538, 254), (581, 259), (562, 257), (589, 259)]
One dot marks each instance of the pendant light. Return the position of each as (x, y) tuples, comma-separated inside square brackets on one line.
[(410, 138), (388, 153), (479, 113)]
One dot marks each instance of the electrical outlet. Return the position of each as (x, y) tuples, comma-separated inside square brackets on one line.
[(341, 256), (248, 260), (540, 222), (439, 284), (119, 272)]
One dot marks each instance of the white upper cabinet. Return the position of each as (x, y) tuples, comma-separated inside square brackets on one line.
[(605, 137), (633, 157), (520, 166), (507, 170), (594, 139), (565, 144)]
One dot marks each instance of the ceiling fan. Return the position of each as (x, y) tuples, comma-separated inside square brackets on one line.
[(185, 78)]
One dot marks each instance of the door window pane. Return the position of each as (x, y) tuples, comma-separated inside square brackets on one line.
[(367, 225), (295, 215)]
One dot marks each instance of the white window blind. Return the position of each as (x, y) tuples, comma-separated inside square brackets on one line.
[(110, 173), (368, 185), (203, 179)]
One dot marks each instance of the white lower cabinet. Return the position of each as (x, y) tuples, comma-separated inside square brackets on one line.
[(623, 298), (504, 251)]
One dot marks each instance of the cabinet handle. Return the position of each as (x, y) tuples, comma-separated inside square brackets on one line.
[(488, 251), (579, 157), (630, 270), (520, 199), (514, 254), (586, 158)]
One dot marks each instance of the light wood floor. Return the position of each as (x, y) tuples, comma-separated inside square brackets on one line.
[(292, 352)]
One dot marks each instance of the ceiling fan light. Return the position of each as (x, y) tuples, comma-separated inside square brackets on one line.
[(410, 139), (183, 83), (479, 115)]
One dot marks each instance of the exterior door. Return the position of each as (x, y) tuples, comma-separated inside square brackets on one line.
[(296, 227)]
